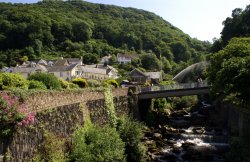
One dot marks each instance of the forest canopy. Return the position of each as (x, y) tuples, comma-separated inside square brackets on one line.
[(50, 29)]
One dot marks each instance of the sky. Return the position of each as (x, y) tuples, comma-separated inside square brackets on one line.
[(201, 19)]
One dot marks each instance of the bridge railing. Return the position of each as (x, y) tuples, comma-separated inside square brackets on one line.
[(172, 87)]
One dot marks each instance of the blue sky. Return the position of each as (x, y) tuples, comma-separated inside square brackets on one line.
[(201, 19)]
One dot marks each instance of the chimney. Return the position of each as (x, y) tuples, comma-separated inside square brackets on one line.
[(81, 60)]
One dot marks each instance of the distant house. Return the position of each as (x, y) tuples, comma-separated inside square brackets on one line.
[(28, 70), (138, 76), (142, 77), (98, 72), (155, 77), (125, 58), (65, 72), (106, 59)]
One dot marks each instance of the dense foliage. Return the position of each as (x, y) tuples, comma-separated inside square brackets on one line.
[(131, 133), (51, 29), (81, 82), (235, 26), (34, 84), (93, 143), (11, 80), (229, 72)]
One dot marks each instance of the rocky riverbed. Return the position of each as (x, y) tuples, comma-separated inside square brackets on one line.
[(187, 136)]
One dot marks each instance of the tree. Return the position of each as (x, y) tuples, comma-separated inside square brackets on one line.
[(229, 72), (149, 61), (89, 59)]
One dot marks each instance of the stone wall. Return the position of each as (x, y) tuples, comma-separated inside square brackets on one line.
[(236, 119), (40, 101), (61, 120)]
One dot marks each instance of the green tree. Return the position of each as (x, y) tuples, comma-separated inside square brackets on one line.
[(229, 72), (49, 80), (149, 61)]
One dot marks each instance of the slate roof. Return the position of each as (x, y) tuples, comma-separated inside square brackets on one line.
[(61, 68), (29, 69), (93, 70), (134, 71)]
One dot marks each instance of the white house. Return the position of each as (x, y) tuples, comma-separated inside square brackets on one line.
[(125, 58)]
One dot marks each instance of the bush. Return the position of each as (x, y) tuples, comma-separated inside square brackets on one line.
[(12, 80), (34, 84), (80, 82), (131, 133), (184, 102), (94, 83), (93, 143), (112, 82), (161, 104), (49, 80), (68, 85)]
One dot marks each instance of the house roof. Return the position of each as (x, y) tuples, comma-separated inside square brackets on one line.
[(29, 69), (86, 69), (61, 68), (138, 72), (128, 55), (153, 75), (61, 62)]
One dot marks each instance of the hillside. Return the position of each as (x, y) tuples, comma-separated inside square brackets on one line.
[(73, 29)]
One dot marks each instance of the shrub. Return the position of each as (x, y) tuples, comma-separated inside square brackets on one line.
[(160, 104), (94, 83), (112, 82), (93, 143), (12, 80), (184, 102), (131, 133), (49, 80), (34, 84), (52, 149), (12, 112), (81, 82), (68, 85)]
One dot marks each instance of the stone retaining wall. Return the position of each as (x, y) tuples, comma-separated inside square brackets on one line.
[(60, 120)]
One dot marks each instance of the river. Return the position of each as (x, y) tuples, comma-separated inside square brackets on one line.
[(187, 136)]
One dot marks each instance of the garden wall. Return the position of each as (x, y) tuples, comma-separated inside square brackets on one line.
[(61, 117)]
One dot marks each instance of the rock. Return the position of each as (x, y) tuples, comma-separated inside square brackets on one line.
[(149, 142), (198, 130), (180, 113), (179, 123), (157, 136)]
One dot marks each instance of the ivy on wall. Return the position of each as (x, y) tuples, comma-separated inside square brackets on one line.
[(110, 108)]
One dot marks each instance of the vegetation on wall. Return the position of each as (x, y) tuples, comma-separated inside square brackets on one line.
[(110, 108)]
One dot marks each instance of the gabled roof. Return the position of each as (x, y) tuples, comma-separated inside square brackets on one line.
[(61, 68), (61, 62), (137, 71), (29, 69)]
